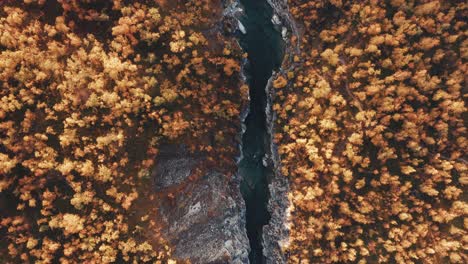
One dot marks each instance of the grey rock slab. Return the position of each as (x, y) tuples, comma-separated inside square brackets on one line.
[(205, 220)]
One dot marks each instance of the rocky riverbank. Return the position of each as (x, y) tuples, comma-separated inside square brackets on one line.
[(276, 234)]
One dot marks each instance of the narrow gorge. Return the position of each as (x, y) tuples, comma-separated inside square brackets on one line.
[(264, 46)]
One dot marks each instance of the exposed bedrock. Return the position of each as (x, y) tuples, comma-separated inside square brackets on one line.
[(204, 221)]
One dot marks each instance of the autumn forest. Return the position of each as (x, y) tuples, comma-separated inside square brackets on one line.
[(227, 131)]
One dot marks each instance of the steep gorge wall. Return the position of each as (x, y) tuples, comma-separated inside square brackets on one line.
[(276, 233), (205, 220)]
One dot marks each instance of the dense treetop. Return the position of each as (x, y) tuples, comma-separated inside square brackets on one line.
[(371, 132), (89, 90)]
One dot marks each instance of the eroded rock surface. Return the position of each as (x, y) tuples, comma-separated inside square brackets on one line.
[(204, 220)]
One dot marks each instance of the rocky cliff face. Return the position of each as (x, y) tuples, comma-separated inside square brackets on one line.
[(275, 234), (205, 221)]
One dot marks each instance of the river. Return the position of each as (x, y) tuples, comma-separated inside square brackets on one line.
[(264, 46)]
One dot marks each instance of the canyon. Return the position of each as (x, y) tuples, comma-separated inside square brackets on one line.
[(242, 220)]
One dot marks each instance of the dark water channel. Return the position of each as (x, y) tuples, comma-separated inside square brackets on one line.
[(264, 46)]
